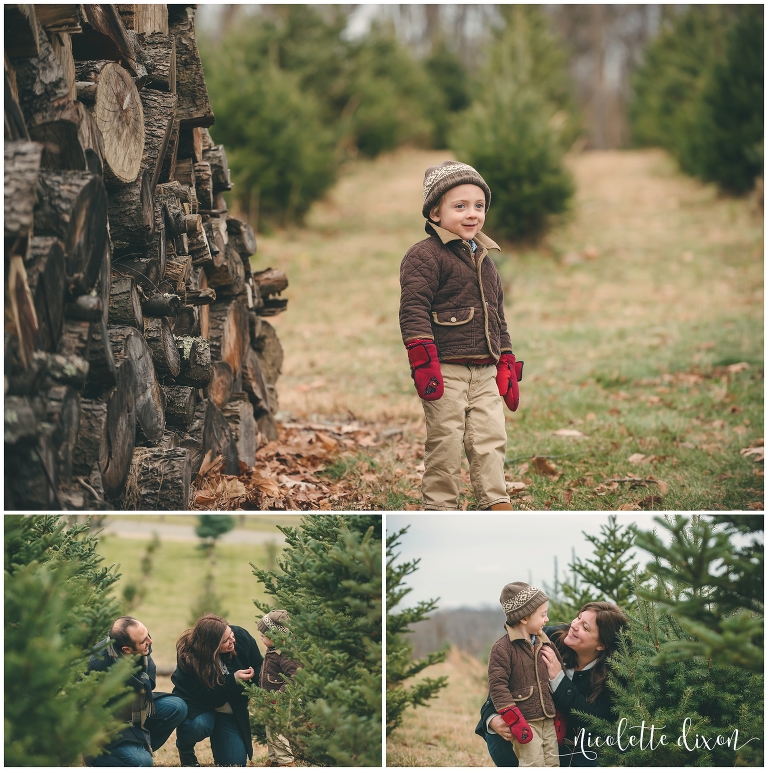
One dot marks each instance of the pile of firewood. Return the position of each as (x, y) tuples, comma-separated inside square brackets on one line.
[(135, 339)]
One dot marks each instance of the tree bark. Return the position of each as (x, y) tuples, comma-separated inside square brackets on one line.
[(241, 238), (217, 157), (144, 270), (121, 429), (145, 18), (159, 480), (270, 281), (46, 280), (103, 368), (194, 105), (228, 278), (15, 125), (254, 383), (72, 205), (270, 353), (87, 307), (179, 406), (131, 214), (185, 172), (195, 356), (22, 166), (168, 169), (91, 445), (187, 322), (125, 304), (60, 134), (177, 271), (158, 54), (75, 339), (32, 474), (158, 305), (159, 111), (157, 333), (217, 437), (23, 317), (228, 332), (239, 414), (200, 296), (204, 185), (268, 427), (41, 82), (63, 412), (128, 344), (220, 388)]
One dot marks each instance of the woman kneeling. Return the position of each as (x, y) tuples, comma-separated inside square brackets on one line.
[(213, 660)]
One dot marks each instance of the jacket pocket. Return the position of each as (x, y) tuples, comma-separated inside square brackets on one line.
[(522, 694), (453, 317)]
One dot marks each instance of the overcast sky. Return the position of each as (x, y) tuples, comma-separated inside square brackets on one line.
[(467, 558)]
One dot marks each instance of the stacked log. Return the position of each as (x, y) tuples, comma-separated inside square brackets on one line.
[(135, 337)]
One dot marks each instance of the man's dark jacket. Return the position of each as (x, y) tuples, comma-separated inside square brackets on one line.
[(134, 732), (200, 698)]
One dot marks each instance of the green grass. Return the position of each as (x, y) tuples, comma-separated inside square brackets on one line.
[(627, 317), (175, 583), (259, 522)]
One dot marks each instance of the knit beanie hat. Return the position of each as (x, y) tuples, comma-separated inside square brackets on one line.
[(275, 619), (519, 600), (438, 180)]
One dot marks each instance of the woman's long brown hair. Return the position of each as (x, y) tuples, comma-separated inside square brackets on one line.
[(197, 650), (610, 621)]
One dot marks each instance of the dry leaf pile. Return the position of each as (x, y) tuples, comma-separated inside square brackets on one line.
[(287, 472)]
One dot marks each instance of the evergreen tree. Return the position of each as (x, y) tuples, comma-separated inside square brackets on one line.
[(57, 608), (511, 135), (609, 575), (692, 695), (210, 527), (330, 584), (400, 663), (714, 590)]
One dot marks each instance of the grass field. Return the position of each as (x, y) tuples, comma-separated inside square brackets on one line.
[(442, 732), (640, 320), (261, 522)]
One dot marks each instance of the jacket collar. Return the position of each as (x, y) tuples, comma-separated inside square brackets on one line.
[(446, 236), (515, 634)]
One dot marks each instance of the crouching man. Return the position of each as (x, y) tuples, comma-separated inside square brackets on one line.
[(150, 717)]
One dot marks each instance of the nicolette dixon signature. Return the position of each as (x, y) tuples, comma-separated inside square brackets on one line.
[(651, 737)]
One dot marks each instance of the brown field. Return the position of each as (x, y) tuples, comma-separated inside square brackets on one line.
[(442, 732)]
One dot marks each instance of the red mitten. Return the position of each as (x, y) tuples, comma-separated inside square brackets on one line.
[(560, 726), (425, 369), (513, 717), (509, 373)]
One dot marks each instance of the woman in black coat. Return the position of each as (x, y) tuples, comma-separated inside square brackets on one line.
[(213, 660), (585, 646)]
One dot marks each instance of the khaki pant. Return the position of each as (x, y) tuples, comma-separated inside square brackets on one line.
[(542, 749), (470, 414), (278, 748)]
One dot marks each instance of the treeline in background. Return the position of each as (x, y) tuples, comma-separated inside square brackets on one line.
[(299, 90)]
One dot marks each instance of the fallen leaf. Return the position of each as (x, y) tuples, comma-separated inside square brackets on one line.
[(653, 399), (208, 464), (650, 501), (516, 487), (234, 488), (637, 457), (758, 506), (591, 416), (663, 487), (567, 496), (544, 466), (740, 367), (522, 469), (629, 507), (569, 432), (757, 452), (708, 346), (204, 496), (412, 507), (327, 442), (266, 485), (614, 411)]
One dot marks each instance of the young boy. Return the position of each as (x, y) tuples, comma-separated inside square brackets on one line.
[(518, 681), (452, 323), (275, 665)]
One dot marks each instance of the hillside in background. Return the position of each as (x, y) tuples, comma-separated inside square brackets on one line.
[(470, 631)]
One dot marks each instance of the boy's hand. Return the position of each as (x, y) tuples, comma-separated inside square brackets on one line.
[(509, 373), (425, 369), (513, 717)]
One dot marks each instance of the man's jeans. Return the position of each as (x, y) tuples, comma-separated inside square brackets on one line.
[(170, 711), (226, 742)]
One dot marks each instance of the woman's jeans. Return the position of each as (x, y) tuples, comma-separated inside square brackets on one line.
[(226, 742), (503, 755)]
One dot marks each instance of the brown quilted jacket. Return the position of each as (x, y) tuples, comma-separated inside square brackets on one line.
[(452, 297), (275, 664), (517, 675)]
